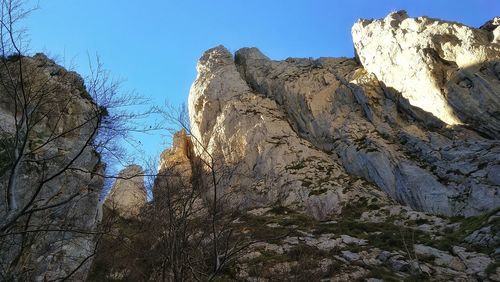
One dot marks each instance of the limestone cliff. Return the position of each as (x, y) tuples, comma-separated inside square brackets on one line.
[(338, 169), (179, 156), (175, 165), (308, 133), (47, 235), (447, 69), (374, 146), (276, 166)]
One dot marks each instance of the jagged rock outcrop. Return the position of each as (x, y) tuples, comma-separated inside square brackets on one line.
[(302, 130), (56, 183), (179, 154), (493, 27), (128, 194), (176, 165), (241, 127)]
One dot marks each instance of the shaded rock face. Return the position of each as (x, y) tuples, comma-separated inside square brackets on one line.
[(315, 134), (58, 139), (128, 194)]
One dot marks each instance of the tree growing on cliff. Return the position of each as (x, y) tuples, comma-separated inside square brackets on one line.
[(54, 131)]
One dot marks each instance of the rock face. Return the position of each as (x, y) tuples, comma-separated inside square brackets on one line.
[(241, 127), (128, 194), (316, 134), (56, 182), (176, 166), (378, 145), (179, 155), (445, 68)]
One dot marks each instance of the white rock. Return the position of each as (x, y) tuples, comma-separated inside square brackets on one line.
[(418, 56), (353, 240), (259, 211)]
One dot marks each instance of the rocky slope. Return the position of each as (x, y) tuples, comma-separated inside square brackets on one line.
[(55, 193), (371, 240)]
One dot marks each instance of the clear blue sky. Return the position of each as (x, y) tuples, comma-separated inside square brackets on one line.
[(154, 45)]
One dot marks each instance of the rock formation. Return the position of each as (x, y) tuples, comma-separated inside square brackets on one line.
[(303, 131), (344, 168), (128, 194), (175, 164), (179, 155), (244, 128), (388, 142), (56, 183), (445, 68)]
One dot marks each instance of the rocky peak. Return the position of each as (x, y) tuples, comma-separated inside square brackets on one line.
[(128, 194), (182, 144), (215, 68)]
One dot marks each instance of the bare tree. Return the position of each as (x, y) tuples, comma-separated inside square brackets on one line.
[(187, 232), (54, 131), (202, 241)]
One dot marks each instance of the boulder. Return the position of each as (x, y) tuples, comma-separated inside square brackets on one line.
[(441, 258), (476, 263)]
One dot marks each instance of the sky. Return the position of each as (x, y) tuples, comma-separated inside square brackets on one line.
[(153, 45)]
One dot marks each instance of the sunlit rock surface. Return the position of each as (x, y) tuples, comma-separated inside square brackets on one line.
[(175, 170), (242, 128), (179, 154), (445, 68)]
